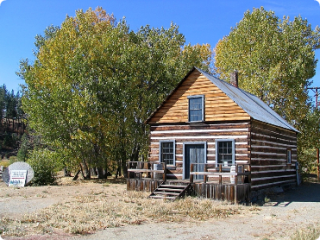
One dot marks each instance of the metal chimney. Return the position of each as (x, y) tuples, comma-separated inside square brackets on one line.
[(234, 79)]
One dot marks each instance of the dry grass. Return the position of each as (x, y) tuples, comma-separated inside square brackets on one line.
[(309, 233), (101, 209)]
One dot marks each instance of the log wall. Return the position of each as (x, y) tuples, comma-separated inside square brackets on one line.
[(218, 106), (239, 131), (269, 165)]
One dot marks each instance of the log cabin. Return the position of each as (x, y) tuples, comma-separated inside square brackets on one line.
[(206, 125)]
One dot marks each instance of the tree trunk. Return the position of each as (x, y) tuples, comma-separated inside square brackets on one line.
[(100, 173), (76, 176), (85, 170), (66, 172)]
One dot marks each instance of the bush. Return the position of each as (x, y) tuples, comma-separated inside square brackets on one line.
[(10, 140), (24, 148), (44, 164)]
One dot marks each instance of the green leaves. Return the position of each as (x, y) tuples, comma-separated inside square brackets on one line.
[(275, 59), (95, 82)]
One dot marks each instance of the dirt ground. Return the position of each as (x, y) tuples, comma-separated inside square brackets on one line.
[(280, 218)]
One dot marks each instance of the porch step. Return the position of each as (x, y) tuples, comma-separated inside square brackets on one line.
[(173, 186), (170, 191)]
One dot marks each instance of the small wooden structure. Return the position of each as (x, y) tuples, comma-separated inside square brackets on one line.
[(215, 135)]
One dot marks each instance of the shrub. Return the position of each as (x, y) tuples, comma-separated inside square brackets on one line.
[(10, 140), (24, 148), (44, 164)]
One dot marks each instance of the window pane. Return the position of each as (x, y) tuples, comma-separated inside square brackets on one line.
[(195, 109), (167, 153), (289, 156), (225, 152)]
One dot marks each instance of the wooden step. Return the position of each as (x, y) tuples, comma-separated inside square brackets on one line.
[(166, 193), (162, 197), (170, 189), (174, 186)]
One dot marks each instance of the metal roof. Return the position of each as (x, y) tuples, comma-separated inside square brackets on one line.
[(251, 104)]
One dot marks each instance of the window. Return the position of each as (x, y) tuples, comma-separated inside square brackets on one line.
[(196, 108), (225, 152), (167, 152), (289, 156)]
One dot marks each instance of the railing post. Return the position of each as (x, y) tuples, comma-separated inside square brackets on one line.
[(235, 186), (220, 167), (205, 176), (128, 167), (152, 173), (164, 167), (191, 170)]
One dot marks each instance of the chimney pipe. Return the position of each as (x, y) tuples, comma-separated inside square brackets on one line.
[(234, 78)]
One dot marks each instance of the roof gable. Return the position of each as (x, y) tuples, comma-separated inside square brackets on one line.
[(237, 103)]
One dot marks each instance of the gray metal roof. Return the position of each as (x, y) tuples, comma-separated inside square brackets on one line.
[(256, 108)]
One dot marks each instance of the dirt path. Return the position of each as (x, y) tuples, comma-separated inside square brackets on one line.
[(280, 218)]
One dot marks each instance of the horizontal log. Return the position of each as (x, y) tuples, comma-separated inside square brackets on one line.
[(224, 174), (145, 170), (272, 174), (260, 125), (257, 186), (204, 134), (206, 126), (276, 180)]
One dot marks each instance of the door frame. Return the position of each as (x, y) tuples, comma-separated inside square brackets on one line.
[(184, 154)]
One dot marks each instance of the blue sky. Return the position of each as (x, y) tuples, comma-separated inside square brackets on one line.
[(201, 21)]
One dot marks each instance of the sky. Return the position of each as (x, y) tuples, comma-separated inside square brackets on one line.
[(201, 21)]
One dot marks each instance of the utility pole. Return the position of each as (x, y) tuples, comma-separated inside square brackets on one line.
[(317, 103), (316, 90)]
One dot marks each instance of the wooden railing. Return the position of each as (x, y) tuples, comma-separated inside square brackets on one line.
[(220, 171), (145, 170)]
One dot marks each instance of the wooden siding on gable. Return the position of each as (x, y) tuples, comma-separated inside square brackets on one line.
[(218, 106), (269, 146)]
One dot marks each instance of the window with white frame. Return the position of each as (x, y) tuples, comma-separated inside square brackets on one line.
[(167, 152), (225, 152), (196, 108)]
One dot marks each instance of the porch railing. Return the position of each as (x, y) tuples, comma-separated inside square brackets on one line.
[(139, 169), (220, 171)]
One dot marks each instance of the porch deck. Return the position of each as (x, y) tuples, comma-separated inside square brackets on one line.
[(217, 185)]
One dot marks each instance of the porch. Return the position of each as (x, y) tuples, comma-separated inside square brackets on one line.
[(230, 183)]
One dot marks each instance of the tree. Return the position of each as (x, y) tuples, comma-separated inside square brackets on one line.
[(3, 93), (94, 82), (275, 59)]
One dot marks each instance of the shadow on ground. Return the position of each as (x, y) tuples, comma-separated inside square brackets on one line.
[(306, 192)]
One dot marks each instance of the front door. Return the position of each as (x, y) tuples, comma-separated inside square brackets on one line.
[(194, 153)]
